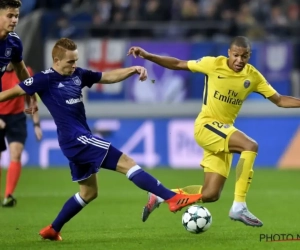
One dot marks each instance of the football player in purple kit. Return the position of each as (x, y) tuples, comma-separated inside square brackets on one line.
[(11, 50), (60, 90)]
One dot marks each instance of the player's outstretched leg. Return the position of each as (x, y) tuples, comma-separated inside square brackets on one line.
[(154, 201), (88, 192), (145, 181), (239, 142), (210, 191)]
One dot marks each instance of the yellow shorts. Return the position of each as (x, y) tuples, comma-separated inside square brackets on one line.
[(213, 136)]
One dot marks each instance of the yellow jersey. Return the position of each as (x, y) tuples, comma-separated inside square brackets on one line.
[(226, 90)]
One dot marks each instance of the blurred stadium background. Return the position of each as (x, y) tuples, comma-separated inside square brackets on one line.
[(154, 122)]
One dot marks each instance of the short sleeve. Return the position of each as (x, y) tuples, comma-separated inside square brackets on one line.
[(90, 77), (35, 84), (203, 65), (262, 86), (17, 53)]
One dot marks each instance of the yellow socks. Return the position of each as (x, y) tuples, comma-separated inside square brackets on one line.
[(244, 174), (193, 189)]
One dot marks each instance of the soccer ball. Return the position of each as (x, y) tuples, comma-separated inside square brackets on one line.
[(196, 219)]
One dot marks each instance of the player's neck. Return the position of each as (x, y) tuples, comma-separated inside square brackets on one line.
[(227, 63), (3, 34), (57, 70)]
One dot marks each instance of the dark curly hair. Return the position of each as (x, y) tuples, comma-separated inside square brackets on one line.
[(5, 4)]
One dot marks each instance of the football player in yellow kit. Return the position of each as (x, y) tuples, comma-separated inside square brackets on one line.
[(228, 82)]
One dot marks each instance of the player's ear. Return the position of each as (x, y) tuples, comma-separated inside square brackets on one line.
[(228, 52), (55, 59)]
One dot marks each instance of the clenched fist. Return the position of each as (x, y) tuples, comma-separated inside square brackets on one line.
[(137, 52), (142, 72)]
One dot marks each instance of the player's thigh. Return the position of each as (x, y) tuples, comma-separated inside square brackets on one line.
[(219, 163), (117, 161), (213, 136), (15, 150), (16, 130), (240, 142)]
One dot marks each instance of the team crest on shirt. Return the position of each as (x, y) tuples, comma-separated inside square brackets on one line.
[(226, 126), (76, 80), (7, 52), (246, 84)]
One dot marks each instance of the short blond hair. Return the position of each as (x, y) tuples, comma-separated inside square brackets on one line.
[(61, 46)]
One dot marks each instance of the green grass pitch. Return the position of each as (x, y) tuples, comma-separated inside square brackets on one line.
[(113, 221)]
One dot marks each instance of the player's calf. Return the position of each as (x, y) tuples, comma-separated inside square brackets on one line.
[(88, 190)]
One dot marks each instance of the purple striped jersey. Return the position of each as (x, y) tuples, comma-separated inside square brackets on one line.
[(62, 95)]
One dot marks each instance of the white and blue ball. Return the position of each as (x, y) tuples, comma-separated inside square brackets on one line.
[(196, 219)]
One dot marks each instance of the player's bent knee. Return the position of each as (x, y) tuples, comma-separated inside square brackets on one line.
[(125, 163), (251, 145), (210, 195), (88, 195), (88, 188)]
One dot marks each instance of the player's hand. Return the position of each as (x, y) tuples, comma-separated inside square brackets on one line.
[(137, 52), (142, 72), (33, 105), (2, 124), (38, 132), (31, 110)]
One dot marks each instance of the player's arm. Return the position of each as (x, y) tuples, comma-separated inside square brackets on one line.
[(23, 74), (11, 93), (284, 101), (164, 61), (21, 70), (264, 88), (204, 65), (119, 75)]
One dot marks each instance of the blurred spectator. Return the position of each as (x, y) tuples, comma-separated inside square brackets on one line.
[(27, 6), (153, 11), (293, 20), (63, 28), (277, 23), (72, 6), (247, 23)]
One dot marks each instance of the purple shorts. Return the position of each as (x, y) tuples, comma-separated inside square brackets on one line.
[(93, 154)]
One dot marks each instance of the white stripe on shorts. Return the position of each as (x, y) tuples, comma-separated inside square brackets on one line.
[(93, 141)]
